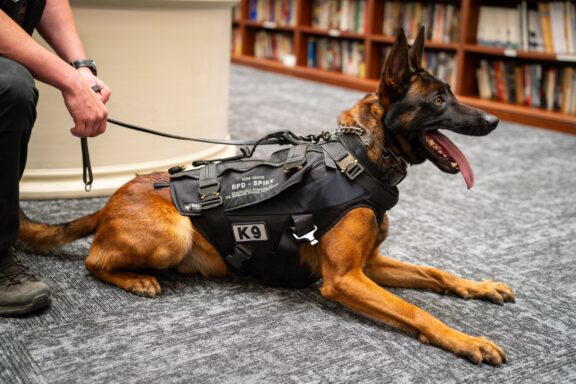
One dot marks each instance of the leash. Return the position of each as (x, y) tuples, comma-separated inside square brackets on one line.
[(88, 176), (275, 138)]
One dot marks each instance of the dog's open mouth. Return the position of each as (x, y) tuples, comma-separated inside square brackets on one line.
[(446, 155)]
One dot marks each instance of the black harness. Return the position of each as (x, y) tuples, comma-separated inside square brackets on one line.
[(257, 213)]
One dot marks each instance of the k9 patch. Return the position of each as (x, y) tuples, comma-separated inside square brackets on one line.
[(250, 232)]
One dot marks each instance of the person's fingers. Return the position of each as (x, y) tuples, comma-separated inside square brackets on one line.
[(101, 127), (103, 91), (86, 106), (105, 94), (99, 123), (79, 130)]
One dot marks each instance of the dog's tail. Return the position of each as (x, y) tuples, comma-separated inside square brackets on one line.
[(47, 237)]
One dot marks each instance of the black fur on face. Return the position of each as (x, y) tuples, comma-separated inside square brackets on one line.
[(416, 103)]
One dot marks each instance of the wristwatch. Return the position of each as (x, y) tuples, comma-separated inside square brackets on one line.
[(90, 64)]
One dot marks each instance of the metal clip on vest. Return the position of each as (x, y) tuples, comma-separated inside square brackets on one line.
[(308, 236), (304, 228), (350, 166), (296, 158), (209, 187)]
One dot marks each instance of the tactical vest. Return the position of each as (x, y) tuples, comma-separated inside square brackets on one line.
[(257, 213)]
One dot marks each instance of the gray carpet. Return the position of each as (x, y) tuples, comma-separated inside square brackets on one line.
[(516, 225)]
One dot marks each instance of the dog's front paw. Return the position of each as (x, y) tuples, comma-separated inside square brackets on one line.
[(493, 291), (480, 349), (145, 286), (476, 349)]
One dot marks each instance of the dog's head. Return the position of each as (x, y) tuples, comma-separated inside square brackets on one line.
[(415, 107)]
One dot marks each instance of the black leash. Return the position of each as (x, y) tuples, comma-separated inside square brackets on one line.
[(171, 136), (275, 138), (87, 175)]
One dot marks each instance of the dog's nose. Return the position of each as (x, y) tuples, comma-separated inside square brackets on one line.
[(491, 120)]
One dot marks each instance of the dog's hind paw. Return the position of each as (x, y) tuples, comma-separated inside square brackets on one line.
[(145, 286), (493, 291)]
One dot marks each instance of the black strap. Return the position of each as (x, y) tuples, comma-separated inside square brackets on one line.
[(296, 158), (391, 176), (209, 187), (87, 175), (235, 260)]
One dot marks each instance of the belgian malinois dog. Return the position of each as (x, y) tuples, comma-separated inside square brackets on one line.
[(140, 227)]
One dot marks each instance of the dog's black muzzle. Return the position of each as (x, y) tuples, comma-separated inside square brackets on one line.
[(470, 121)]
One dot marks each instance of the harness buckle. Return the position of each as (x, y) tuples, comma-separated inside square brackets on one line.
[(210, 201), (238, 257), (209, 191), (353, 170), (308, 236), (350, 166), (296, 158), (208, 188)]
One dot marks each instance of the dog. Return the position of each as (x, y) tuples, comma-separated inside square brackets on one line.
[(140, 228)]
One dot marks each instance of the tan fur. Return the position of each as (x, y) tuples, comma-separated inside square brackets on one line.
[(140, 228)]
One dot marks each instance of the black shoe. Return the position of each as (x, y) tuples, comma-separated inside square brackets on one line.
[(20, 291)]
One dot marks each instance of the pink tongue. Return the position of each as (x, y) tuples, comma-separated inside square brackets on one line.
[(452, 150)]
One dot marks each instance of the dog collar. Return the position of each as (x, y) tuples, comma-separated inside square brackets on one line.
[(391, 175)]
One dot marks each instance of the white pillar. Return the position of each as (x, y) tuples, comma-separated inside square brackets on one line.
[(167, 63)]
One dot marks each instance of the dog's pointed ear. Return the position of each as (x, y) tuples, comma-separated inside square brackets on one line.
[(396, 72), (416, 51)]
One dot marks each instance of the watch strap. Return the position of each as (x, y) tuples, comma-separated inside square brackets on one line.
[(90, 64)]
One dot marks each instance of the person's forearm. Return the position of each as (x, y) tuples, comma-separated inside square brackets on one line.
[(45, 66), (84, 105), (57, 27)]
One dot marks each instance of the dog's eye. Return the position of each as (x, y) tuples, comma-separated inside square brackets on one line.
[(438, 100)]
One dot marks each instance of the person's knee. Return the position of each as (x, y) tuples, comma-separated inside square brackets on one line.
[(18, 94)]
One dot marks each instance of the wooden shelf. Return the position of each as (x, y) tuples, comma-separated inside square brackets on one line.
[(519, 54), (333, 78), (524, 115), (466, 51)]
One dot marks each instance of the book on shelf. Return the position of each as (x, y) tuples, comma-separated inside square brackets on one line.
[(344, 56), (236, 41), (281, 12), (442, 65), (273, 45), (549, 87), (343, 15), (236, 13), (441, 19), (533, 26), (534, 40)]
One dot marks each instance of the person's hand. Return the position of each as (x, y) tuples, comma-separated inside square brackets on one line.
[(92, 80), (86, 106)]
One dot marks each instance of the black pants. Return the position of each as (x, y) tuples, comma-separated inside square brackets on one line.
[(18, 98)]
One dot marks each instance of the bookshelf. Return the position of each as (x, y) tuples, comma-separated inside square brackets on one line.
[(459, 44)]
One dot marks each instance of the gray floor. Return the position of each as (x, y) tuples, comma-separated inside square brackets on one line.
[(516, 225)]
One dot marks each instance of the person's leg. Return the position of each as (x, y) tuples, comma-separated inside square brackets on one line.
[(20, 291)]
